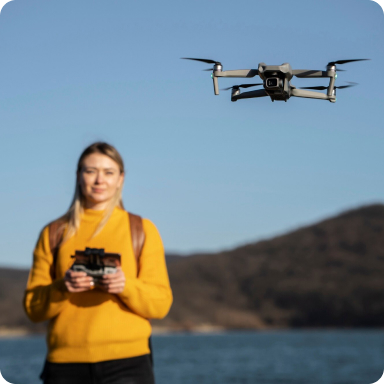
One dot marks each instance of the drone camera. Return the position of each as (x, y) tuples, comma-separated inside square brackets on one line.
[(274, 83)]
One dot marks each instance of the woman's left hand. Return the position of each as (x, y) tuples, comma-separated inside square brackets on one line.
[(114, 282)]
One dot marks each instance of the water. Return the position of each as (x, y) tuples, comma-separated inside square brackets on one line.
[(283, 357)]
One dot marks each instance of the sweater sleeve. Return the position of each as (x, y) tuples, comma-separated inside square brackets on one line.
[(149, 295), (44, 298)]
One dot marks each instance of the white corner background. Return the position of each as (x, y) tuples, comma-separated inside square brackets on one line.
[(2, 3), (380, 2), (2, 380)]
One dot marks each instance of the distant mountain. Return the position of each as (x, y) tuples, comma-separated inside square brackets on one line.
[(329, 274), (12, 285)]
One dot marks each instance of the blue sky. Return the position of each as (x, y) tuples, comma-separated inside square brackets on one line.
[(211, 174)]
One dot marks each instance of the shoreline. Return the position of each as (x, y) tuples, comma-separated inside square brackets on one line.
[(20, 332), (10, 332), (7, 332)]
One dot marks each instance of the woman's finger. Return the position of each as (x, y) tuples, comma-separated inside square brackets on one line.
[(72, 274), (115, 287), (113, 281), (78, 284), (114, 276), (88, 285), (81, 278), (81, 281), (71, 288)]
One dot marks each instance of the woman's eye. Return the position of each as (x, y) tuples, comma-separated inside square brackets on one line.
[(89, 171)]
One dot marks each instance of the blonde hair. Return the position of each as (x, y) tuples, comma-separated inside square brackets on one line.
[(71, 218)]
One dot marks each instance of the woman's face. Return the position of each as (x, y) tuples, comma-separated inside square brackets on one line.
[(99, 179)]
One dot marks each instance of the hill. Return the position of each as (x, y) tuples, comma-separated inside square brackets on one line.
[(329, 274)]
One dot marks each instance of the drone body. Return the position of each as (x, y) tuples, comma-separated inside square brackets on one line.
[(277, 81)]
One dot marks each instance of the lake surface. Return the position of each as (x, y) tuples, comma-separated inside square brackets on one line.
[(278, 357)]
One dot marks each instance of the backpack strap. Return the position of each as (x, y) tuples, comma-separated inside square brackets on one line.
[(138, 239), (56, 231), (137, 236)]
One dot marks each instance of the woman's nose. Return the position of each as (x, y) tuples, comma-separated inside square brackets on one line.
[(99, 178)]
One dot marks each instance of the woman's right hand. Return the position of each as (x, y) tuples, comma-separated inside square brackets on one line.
[(78, 281)]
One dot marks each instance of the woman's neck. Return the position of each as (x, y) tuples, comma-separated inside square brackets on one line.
[(96, 206)]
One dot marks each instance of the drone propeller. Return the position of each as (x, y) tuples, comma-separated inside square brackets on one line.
[(208, 61), (320, 88), (241, 86), (331, 63)]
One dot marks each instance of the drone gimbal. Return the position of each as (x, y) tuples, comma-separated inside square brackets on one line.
[(277, 80)]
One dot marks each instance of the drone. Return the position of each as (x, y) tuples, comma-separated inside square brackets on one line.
[(277, 80)]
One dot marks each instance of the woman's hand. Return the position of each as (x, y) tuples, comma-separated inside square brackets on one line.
[(78, 281), (114, 282)]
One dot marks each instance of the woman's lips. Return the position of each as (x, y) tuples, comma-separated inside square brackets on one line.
[(97, 190)]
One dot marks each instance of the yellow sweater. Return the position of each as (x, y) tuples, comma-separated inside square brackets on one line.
[(95, 326)]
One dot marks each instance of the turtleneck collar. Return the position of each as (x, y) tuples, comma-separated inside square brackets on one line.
[(92, 214)]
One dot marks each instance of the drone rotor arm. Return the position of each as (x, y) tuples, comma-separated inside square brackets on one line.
[(309, 94), (237, 73), (304, 73)]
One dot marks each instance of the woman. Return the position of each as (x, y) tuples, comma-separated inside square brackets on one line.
[(98, 333)]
